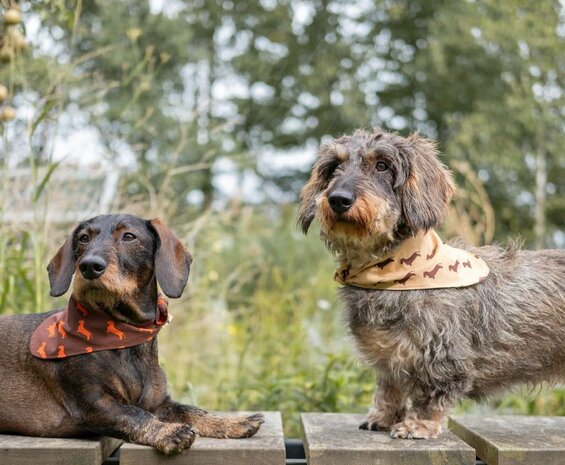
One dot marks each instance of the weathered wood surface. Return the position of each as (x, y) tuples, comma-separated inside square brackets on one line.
[(513, 439), (334, 439), (25, 450), (265, 448)]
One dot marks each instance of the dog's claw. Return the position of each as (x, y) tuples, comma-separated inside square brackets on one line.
[(364, 425), (174, 442), (258, 417)]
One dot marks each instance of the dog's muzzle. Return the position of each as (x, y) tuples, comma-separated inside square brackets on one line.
[(92, 267), (341, 201)]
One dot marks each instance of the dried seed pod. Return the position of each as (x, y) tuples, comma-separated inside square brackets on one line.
[(7, 114), (3, 93), (12, 17)]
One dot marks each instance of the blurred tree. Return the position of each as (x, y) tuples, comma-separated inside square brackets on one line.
[(189, 82), (485, 78)]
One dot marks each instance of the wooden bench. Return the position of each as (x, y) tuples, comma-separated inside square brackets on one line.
[(334, 439), (329, 439), (265, 448), (24, 450), (513, 439)]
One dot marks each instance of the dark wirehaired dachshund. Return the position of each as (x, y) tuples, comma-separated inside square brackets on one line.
[(118, 260), (430, 347)]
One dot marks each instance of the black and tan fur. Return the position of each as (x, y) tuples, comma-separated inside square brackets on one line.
[(120, 393), (430, 347)]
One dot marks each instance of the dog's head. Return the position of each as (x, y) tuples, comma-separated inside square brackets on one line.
[(368, 187), (116, 260)]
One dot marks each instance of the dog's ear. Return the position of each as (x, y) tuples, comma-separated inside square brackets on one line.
[(428, 185), (172, 260), (62, 267), (307, 210), (319, 179)]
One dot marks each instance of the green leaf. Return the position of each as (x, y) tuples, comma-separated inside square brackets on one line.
[(44, 181)]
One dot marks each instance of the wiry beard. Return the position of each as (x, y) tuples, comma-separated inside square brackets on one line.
[(93, 294), (122, 307), (361, 235)]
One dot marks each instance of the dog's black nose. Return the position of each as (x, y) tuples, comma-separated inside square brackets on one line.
[(92, 267), (341, 201)]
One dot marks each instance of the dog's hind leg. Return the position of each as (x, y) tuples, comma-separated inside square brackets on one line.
[(389, 406), (208, 425)]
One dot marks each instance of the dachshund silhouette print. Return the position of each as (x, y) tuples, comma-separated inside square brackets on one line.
[(432, 255), (384, 263), (408, 261), (111, 328), (82, 330), (467, 264), (432, 273), (61, 353), (61, 330), (82, 310), (51, 329), (41, 350), (406, 278), (454, 266)]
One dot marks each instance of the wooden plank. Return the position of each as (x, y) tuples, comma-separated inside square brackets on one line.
[(25, 450), (265, 448), (335, 439), (513, 439)]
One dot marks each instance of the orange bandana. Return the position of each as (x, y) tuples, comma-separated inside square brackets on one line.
[(78, 330), (419, 262)]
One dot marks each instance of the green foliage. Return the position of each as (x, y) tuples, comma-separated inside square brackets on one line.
[(260, 327)]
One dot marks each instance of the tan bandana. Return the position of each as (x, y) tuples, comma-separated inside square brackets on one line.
[(78, 330), (419, 262)]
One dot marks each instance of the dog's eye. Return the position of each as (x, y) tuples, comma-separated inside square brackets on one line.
[(83, 238), (381, 166), (329, 170), (127, 237)]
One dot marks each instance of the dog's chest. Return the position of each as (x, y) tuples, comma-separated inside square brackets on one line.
[(380, 333), (139, 379), (386, 349)]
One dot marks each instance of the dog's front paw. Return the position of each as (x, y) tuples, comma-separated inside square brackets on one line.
[(372, 423), (416, 429), (379, 419), (245, 427), (173, 438)]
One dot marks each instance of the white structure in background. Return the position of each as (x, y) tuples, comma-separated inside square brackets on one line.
[(73, 193)]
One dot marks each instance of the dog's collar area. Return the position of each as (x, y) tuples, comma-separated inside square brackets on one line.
[(422, 261), (79, 330)]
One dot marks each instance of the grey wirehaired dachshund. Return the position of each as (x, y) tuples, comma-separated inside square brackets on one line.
[(430, 347)]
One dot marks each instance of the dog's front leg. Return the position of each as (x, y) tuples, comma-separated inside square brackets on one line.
[(109, 417), (208, 425), (423, 421), (389, 406)]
